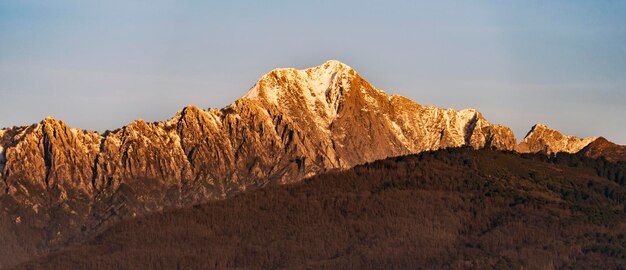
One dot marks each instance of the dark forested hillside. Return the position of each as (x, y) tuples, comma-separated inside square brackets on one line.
[(456, 208)]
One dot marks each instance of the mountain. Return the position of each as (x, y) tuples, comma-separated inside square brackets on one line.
[(543, 139), (59, 185), (291, 124), (601, 147), (454, 209), (335, 104)]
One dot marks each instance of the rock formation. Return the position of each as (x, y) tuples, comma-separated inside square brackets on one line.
[(543, 139)]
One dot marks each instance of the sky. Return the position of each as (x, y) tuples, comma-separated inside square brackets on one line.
[(99, 65)]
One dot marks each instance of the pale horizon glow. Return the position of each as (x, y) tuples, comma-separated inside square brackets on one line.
[(101, 65)]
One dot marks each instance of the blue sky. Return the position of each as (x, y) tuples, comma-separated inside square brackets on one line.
[(101, 64)]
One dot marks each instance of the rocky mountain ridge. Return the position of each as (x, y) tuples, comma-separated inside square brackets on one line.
[(543, 139), (291, 124)]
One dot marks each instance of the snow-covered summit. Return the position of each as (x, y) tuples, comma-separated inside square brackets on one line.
[(333, 100), (318, 80)]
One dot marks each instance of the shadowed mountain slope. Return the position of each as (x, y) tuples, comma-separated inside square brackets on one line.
[(456, 209), (604, 148)]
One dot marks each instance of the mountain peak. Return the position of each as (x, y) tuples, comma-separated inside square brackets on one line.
[(334, 65), (602, 140), (330, 65), (49, 124), (542, 138), (315, 82), (190, 110), (542, 126), (601, 147), (49, 120)]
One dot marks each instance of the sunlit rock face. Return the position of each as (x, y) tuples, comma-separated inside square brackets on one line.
[(291, 124), (546, 140), (351, 122)]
